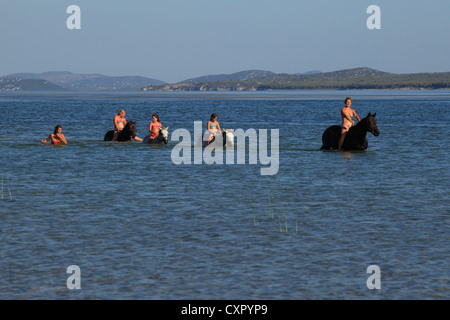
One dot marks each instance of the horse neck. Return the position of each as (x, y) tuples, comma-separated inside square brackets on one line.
[(360, 129), (127, 130), (224, 136)]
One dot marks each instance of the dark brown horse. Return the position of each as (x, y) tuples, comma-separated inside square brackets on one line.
[(355, 139), (127, 133)]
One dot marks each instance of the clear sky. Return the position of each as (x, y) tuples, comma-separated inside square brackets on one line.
[(172, 40)]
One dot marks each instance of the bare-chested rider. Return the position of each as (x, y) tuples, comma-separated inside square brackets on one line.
[(347, 115)]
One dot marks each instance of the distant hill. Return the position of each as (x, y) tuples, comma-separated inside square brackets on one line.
[(357, 78), (308, 73), (113, 83), (243, 75), (18, 84), (92, 81)]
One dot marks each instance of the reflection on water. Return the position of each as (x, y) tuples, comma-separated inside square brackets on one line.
[(346, 155)]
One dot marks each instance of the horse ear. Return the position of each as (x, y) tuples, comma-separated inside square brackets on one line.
[(369, 114), (374, 114)]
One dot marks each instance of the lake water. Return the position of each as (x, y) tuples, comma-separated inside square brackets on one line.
[(141, 227)]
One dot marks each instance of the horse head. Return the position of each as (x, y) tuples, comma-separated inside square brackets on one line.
[(371, 124), (164, 134), (131, 128)]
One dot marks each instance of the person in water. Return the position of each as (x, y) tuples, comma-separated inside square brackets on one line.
[(213, 127), (347, 115), (119, 123), (57, 137), (154, 127)]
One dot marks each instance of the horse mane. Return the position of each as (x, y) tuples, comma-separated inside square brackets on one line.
[(363, 122), (362, 127), (129, 123)]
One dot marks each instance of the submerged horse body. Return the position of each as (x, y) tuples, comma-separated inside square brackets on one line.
[(355, 138), (127, 133), (227, 138)]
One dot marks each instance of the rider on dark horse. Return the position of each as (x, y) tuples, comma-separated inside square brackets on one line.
[(348, 136), (123, 130)]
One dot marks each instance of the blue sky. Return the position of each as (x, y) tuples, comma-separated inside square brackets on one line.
[(173, 40)]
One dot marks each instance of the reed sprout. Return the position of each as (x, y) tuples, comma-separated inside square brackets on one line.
[(281, 202), (275, 203), (1, 192)]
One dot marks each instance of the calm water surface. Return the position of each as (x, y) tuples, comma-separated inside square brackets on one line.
[(141, 227)]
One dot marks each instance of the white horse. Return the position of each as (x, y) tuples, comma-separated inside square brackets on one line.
[(227, 138), (163, 136)]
